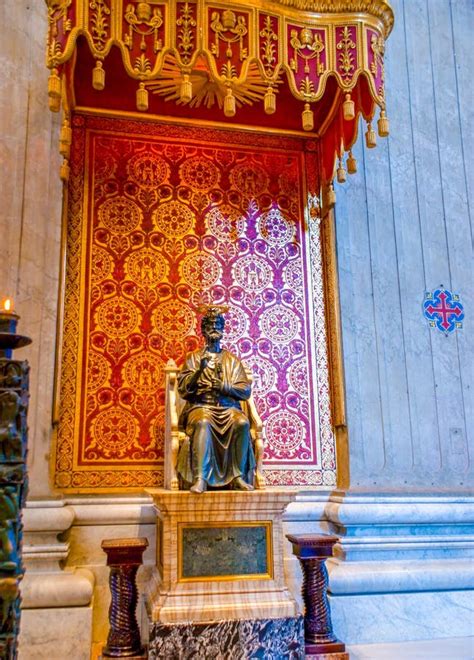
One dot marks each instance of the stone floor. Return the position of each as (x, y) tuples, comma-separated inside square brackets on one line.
[(456, 648)]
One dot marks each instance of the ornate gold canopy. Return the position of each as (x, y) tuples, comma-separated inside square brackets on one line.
[(270, 61)]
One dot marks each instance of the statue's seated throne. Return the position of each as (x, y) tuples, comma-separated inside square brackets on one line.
[(177, 441)]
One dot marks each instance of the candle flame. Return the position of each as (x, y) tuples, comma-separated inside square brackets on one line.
[(8, 305)]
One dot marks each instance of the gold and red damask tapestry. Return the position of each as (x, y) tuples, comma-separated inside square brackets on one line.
[(162, 219)]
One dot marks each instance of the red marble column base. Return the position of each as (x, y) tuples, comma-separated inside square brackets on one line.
[(325, 649), (143, 656)]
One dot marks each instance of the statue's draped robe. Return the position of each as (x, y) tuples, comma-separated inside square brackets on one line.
[(220, 447)]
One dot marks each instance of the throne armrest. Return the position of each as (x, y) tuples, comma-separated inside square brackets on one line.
[(172, 432), (171, 394), (256, 431), (251, 409)]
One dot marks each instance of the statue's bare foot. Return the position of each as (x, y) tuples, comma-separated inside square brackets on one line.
[(199, 486), (240, 484)]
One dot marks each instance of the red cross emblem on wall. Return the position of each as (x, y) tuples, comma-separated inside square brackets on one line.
[(443, 310)]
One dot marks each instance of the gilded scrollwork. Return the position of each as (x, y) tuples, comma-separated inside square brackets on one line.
[(268, 47), (57, 12), (99, 23), (379, 8), (303, 41), (377, 46), (143, 21), (229, 28), (186, 24), (346, 46)]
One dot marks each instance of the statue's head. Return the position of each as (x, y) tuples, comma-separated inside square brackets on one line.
[(212, 323)]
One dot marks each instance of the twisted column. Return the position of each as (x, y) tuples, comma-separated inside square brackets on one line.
[(124, 556), (312, 552)]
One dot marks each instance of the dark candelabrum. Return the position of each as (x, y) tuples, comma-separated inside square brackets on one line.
[(13, 478)]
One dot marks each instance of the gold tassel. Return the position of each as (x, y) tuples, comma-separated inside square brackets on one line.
[(341, 172), (54, 91), (142, 98), (370, 137), (229, 104), (383, 124), (269, 101), (348, 108), (351, 163), (64, 171), (65, 139), (185, 89), (98, 76), (330, 197), (307, 117)]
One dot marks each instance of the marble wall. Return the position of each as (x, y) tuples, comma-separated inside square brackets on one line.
[(403, 227), (30, 211)]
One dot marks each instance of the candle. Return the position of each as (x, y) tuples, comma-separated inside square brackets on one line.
[(8, 336), (8, 318), (7, 305)]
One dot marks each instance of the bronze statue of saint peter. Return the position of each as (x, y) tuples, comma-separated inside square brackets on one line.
[(213, 382)]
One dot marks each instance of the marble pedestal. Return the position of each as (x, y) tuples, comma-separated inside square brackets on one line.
[(220, 571)]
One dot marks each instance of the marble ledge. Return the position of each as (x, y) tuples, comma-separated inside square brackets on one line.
[(458, 648), (66, 589), (43, 514), (47, 516), (440, 545), (44, 557), (263, 502), (171, 601), (334, 510), (399, 617), (379, 577), (365, 509), (210, 607), (118, 510)]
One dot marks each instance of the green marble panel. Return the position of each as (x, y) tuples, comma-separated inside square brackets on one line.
[(226, 551)]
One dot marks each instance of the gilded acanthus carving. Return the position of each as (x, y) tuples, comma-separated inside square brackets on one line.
[(268, 47), (99, 23), (346, 47), (58, 21), (186, 24), (377, 46)]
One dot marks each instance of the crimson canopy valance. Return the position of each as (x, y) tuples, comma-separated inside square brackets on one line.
[(314, 65)]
